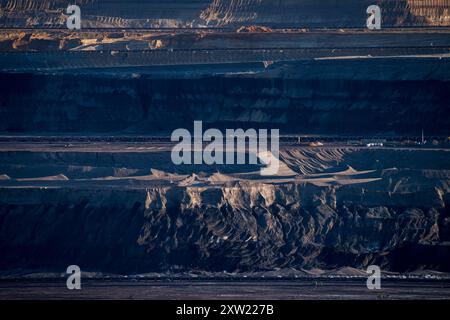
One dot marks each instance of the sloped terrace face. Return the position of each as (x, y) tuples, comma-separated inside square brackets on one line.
[(109, 212), (309, 100), (225, 13)]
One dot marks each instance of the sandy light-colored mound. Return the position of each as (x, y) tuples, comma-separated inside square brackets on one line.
[(4, 177), (59, 177)]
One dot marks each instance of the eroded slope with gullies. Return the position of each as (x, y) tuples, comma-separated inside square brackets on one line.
[(224, 13), (238, 228), (389, 207), (338, 97)]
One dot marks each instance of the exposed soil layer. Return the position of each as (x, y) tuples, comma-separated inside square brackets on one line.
[(130, 212), (364, 97), (223, 13)]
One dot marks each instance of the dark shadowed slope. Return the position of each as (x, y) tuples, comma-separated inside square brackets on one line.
[(224, 13)]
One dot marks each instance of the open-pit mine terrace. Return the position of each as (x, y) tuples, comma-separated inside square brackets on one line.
[(124, 208), (47, 49)]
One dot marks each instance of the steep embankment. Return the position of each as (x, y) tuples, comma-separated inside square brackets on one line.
[(342, 97), (225, 13), (400, 220), (236, 228)]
